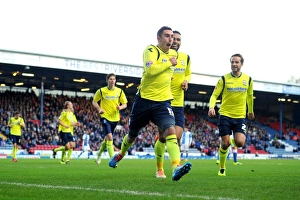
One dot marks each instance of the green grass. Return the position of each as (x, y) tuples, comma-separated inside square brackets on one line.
[(135, 179)]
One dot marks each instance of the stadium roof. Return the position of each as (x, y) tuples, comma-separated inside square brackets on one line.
[(62, 79)]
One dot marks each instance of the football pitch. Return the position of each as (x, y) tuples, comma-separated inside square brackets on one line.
[(83, 179)]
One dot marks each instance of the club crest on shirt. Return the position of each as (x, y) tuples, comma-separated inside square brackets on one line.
[(182, 62), (244, 82), (149, 63)]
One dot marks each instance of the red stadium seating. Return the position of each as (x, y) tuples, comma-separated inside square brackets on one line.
[(42, 147), (252, 150)]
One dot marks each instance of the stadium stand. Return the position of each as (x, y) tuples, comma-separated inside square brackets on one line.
[(205, 138)]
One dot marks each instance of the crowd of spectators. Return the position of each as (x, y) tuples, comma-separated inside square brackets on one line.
[(205, 133)]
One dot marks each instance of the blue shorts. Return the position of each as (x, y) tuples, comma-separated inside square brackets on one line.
[(179, 116), (228, 125), (108, 126), (15, 139), (144, 110), (67, 137)]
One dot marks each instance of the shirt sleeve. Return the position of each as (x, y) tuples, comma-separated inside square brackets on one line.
[(188, 72), (250, 101), (97, 95), (151, 67), (216, 93), (123, 98)]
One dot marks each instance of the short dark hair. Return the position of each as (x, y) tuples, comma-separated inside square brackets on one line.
[(109, 75), (16, 112), (237, 55), (177, 32), (162, 29)]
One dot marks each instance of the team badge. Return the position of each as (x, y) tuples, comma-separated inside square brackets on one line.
[(149, 63)]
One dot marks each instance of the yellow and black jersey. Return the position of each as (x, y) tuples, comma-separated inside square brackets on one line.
[(237, 95), (182, 72), (158, 71), (16, 128), (67, 118), (109, 99)]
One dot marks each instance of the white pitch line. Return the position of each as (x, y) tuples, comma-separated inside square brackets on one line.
[(141, 193)]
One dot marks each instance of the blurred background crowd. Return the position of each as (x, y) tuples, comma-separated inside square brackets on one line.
[(205, 132)]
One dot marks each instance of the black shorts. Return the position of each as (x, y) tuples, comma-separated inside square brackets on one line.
[(15, 139), (144, 110), (228, 125), (108, 126), (67, 137), (179, 116)]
